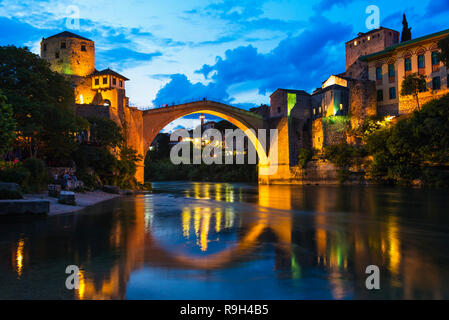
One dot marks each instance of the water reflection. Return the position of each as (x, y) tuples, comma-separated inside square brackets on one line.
[(212, 240)]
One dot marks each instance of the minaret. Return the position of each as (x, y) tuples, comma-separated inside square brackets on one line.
[(406, 31)]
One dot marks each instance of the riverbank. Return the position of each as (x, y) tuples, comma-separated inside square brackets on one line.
[(83, 200)]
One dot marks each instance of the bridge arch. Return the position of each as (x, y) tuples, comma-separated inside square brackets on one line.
[(154, 120)]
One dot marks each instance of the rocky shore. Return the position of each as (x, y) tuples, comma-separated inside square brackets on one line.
[(83, 200)]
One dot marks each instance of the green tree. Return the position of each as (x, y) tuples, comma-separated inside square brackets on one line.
[(7, 125), (42, 103), (443, 44), (413, 84), (415, 148), (105, 132)]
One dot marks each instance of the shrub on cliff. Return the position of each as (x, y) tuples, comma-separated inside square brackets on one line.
[(305, 155), (415, 148)]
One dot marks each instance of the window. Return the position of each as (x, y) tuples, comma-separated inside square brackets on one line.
[(408, 64), (279, 109), (436, 83), (380, 95), (314, 111), (121, 83), (97, 81), (57, 55), (391, 72), (114, 81), (355, 43), (369, 38), (83, 47), (319, 110), (45, 47), (421, 61), (435, 58), (105, 80), (392, 93), (63, 45), (379, 73)]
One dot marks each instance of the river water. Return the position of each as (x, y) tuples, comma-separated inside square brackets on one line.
[(236, 241)]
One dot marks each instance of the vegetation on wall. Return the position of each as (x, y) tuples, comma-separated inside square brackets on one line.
[(106, 160), (416, 148), (413, 84), (443, 44)]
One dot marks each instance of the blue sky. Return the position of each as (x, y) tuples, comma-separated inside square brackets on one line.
[(236, 51)]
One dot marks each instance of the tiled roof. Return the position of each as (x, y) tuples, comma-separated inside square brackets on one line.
[(403, 44), (108, 72), (67, 34)]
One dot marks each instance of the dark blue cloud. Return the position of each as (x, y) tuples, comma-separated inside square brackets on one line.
[(300, 62), (179, 90)]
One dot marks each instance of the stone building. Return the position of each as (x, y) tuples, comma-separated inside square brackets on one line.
[(366, 43), (389, 67), (97, 93)]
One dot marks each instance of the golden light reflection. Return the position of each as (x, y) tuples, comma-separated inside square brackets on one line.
[(205, 228), (197, 220), (186, 222), (205, 218), (82, 288), (19, 256), (394, 253), (218, 192)]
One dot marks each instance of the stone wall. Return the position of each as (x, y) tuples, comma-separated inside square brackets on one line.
[(362, 100), (319, 173)]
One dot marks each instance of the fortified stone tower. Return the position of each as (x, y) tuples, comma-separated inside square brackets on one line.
[(366, 43), (69, 54)]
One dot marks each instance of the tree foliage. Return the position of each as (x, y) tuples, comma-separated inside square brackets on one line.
[(443, 44), (7, 125), (42, 104), (413, 84), (415, 148), (107, 160)]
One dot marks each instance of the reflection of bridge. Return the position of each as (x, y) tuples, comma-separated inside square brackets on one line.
[(142, 247), (154, 120)]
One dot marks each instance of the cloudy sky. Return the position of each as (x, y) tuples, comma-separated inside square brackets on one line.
[(235, 51)]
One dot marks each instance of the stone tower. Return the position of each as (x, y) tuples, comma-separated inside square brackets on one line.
[(367, 43), (69, 54)]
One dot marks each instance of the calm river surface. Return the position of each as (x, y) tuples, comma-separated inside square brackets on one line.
[(236, 241)]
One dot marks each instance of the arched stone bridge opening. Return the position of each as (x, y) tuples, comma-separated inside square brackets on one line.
[(154, 120)]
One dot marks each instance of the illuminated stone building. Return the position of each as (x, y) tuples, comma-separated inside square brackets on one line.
[(97, 93), (376, 64), (389, 67)]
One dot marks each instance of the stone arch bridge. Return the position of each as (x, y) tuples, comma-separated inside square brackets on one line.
[(154, 120)]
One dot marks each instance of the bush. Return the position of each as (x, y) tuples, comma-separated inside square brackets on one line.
[(6, 194), (16, 174), (305, 155), (343, 155), (38, 179), (415, 148)]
